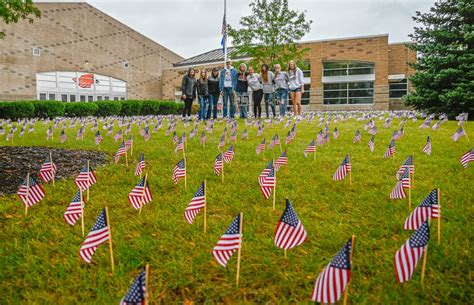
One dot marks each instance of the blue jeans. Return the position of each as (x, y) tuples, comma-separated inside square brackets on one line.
[(203, 100), (243, 102), (282, 98), (269, 102), (213, 99), (228, 97)]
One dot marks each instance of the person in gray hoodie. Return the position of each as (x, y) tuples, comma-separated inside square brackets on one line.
[(255, 84), (188, 89), (281, 88), (268, 89)]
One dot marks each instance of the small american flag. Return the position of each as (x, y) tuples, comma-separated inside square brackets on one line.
[(221, 142), (245, 134), (98, 138), (140, 195), (203, 138), (427, 148), (467, 157), (281, 160), (80, 133), (407, 164), (290, 137), (118, 136), (310, 148), (218, 164), (275, 141), (260, 147), (407, 258), (120, 152), (49, 133), (9, 135), (86, 178), (180, 145), (357, 137), (97, 236), (30, 192), (289, 231), (63, 136), (436, 125), (343, 169), (175, 138), (372, 143), (260, 130), (398, 191), (268, 183), (75, 209), (229, 154), (147, 136), (335, 133), (390, 150), (179, 170), (47, 170), (140, 165), (333, 280), (136, 294), (110, 130), (429, 208), (196, 204), (233, 136), (459, 133), (265, 172), (129, 143), (229, 243)]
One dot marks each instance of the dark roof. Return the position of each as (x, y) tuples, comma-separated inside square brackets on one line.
[(208, 57)]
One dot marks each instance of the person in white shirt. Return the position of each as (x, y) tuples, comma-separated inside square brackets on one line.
[(255, 84)]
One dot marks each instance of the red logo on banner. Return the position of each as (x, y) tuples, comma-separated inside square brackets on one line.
[(85, 81)]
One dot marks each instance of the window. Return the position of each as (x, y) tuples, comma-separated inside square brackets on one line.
[(122, 98), (349, 93), (52, 97), (106, 98), (305, 95), (397, 89), (334, 68), (82, 98), (42, 97), (72, 98), (125, 64), (36, 51), (116, 98), (99, 98), (90, 98), (64, 97)]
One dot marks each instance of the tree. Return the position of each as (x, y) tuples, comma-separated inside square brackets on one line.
[(270, 33), (444, 41), (11, 11)]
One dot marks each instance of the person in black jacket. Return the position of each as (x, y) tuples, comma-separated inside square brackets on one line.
[(214, 93), (203, 94), (188, 89)]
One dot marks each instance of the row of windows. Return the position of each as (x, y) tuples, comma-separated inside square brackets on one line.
[(398, 89), (348, 93), (77, 98), (332, 68)]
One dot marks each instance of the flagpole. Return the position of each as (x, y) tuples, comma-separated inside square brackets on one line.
[(27, 193), (110, 239), (143, 195), (413, 175), (51, 160), (274, 188), (423, 268), (409, 195), (126, 158), (225, 36), (222, 168), (346, 293), (461, 127), (82, 212), (240, 248), (147, 293), (185, 175), (205, 207), (439, 216), (350, 172), (88, 178)]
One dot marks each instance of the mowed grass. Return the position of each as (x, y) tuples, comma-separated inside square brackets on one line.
[(39, 253)]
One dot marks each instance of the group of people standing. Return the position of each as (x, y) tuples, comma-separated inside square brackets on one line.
[(233, 86)]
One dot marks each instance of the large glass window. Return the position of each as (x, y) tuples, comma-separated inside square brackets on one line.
[(397, 89), (334, 68), (349, 93)]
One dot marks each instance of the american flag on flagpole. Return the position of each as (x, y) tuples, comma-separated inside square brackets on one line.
[(98, 235), (229, 154), (260, 147), (427, 148), (218, 164), (268, 183), (333, 280), (221, 142), (429, 208), (390, 150), (467, 157), (129, 143), (120, 152), (140, 195), (74, 210), (310, 148), (196, 204), (245, 134), (275, 141), (47, 170), (179, 170), (86, 178), (140, 165), (357, 137), (343, 169), (459, 133), (136, 294), (49, 133), (407, 164), (203, 138), (335, 133), (118, 136), (63, 136), (30, 192), (98, 138), (180, 145), (372, 143), (265, 172), (407, 257), (398, 191), (289, 232), (228, 243), (281, 160)]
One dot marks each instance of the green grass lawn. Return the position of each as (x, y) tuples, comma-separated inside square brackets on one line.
[(40, 261)]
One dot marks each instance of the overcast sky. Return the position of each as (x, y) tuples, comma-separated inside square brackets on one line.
[(191, 27)]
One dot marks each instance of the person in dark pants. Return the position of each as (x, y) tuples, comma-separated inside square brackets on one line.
[(242, 90), (188, 89), (227, 83), (214, 92), (203, 94), (255, 84)]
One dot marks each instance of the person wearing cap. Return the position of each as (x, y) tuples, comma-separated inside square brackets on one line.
[(227, 85), (242, 90)]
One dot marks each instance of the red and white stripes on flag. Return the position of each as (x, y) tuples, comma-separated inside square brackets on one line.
[(86, 178), (75, 209), (407, 257), (390, 150), (140, 165), (311, 148), (260, 147), (140, 195), (47, 170), (343, 169), (398, 191), (97, 236), (230, 242), (179, 171), (333, 280), (229, 154), (429, 208), (30, 192), (196, 204), (268, 183), (120, 152), (407, 164), (289, 232), (281, 160), (467, 157), (218, 164), (459, 133), (427, 148)]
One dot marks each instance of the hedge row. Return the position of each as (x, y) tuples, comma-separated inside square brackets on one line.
[(51, 109)]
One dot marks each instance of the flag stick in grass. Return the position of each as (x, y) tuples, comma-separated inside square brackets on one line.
[(423, 267), (350, 172), (223, 168), (467, 137), (185, 174), (409, 196), (237, 276), (143, 195), (147, 292), (51, 160), (205, 207), (110, 239), (27, 193), (274, 189), (88, 178), (346, 293), (82, 212), (439, 216), (413, 175), (126, 158)]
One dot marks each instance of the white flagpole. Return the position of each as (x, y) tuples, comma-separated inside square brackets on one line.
[(225, 37)]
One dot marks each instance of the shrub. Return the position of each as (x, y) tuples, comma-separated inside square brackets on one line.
[(16, 110), (49, 109), (169, 107), (150, 107), (108, 108), (195, 109), (81, 109), (131, 107)]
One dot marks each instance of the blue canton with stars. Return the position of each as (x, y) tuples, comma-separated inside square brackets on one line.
[(180, 164), (234, 226), (101, 222), (289, 216), (431, 199), (200, 191), (136, 293), (342, 258), (421, 236)]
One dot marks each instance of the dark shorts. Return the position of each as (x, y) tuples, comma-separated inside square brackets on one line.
[(295, 90)]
